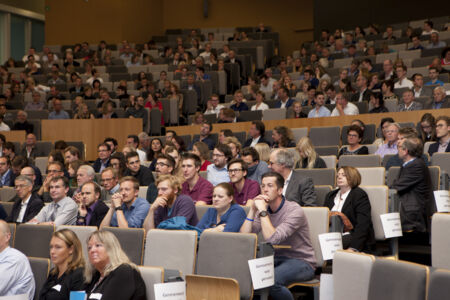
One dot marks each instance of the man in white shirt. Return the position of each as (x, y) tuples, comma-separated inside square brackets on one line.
[(206, 54), (26, 205), (268, 73), (402, 82), (265, 84), (31, 51), (133, 141), (16, 276), (256, 133), (343, 107), (213, 106), (3, 126)]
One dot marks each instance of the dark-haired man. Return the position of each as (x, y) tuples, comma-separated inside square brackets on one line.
[(143, 174), (104, 154), (204, 136), (244, 189), (256, 167), (217, 171), (91, 210), (256, 133), (195, 186), (164, 166)]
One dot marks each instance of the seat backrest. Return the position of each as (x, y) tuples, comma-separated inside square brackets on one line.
[(82, 232), (234, 251), (378, 197), (386, 158), (351, 275), (274, 114), (321, 192), (372, 176), (151, 276), (330, 161), (250, 115), (318, 223), (319, 176), (442, 160), (327, 150), (7, 193), (440, 241), (325, 136), (299, 133), (201, 210), (370, 160), (33, 240), (143, 192), (41, 163), (40, 268), (439, 287), (131, 240), (7, 206), (397, 280), (171, 249)]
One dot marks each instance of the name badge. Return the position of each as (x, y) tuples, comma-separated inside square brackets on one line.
[(57, 287), (97, 296)]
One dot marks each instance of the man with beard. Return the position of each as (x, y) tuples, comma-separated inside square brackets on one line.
[(256, 168), (164, 166), (217, 171), (170, 204), (244, 189), (127, 209)]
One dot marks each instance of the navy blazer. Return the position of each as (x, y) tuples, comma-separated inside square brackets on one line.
[(98, 164), (261, 140), (435, 146), (288, 103), (33, 208)]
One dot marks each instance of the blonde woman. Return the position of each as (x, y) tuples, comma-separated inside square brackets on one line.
[(309, 159), (264, 151), (66, 255), (235, 146), (110, 273)]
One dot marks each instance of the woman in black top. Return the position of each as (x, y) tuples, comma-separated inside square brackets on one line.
[(67, 275), (282, 137), (109, 273), (309, 159), (354, 137), (376, 99)]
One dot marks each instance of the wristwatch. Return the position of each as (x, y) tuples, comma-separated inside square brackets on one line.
[(119, 208), (264, 213)]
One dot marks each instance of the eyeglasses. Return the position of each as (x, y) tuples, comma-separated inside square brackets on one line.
[(217, 155), (20, 186), (234, 170), (161, 164), (107, 179), (352, 135)]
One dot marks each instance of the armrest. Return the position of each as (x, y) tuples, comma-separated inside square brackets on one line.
[(394, 203)]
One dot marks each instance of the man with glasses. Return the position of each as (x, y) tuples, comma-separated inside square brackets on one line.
[(443, 135), (110, 182), (85, 173), (244, 189), (6, 174), (26, 205), (195, 186), (104, 155), (217, 171), (30, 173), (391, 134), (165, 165), (62, 210), (91, 209), (54, 169), (213, 106), (296, 187), (143, 174)]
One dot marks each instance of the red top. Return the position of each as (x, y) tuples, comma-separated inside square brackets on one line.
[(205, 165)]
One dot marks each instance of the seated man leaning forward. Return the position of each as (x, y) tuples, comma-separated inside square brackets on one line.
[(282, 223), (170, 203), (127, 209)]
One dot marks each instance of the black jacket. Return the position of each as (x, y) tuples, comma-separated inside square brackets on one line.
[(98, 164), (98, 214), (358, 210), (69, 281), (33, 208), (144, 176), (261, 140), (434, 148)]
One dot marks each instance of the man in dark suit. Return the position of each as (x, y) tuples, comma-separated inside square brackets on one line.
[(284, 100), (134, 168), (256, 133), (30, 150), (296, 188), (91, 210), (6, 173), (415, 192), (26, 204), (104, 154), (418, 89), (443, 135), (363, 92), (439, 99)]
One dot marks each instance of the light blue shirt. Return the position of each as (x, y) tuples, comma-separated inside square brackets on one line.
[(16, 277), (437, 82), (216, 176), (323, 112), (62, 115), (135, 215)]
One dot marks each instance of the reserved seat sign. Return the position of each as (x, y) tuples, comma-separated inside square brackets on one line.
[(262, 272)]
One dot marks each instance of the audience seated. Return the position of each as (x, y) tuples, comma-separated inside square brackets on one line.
[(442, 135), (217, 172), (377, 102), (284, 101), (439, 99), (390, 147), (204, 136), (27, 204), (408, 102), (343, 107), (110, 182), (309, 159), (282, 137), (319, 110), (92, 209), (202, 151), (134, 168), (244, 189), (165, 165), (194, 185), (403, 133), (6, 174), (352, 205)]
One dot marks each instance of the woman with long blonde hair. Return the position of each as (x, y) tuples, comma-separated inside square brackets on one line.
[(309, 159)]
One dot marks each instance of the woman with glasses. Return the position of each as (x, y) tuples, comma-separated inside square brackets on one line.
[(354, 137)]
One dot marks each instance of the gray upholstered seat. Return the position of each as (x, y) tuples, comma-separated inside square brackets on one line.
[(33, 240), (151, 276), (40, 268), (325, 136), (440, 241), (319, 176), (438, 287), (131, 240), (321, 191), (370, 160), (372, 176)]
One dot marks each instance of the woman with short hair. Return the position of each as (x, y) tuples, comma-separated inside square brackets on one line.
[(354, 137), (110, 274)]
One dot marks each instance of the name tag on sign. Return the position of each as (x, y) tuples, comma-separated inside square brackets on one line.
[(262, 272), (442, 199), (329, 244), (170, 291), (392, 225)]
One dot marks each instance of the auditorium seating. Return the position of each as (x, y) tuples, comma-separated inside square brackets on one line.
[(33, 240), (40, 268), (440, 242), (131, 240), (151, 276)]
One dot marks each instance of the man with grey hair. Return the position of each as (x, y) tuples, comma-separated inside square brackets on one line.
[(26, 205), (414, 189), (16, 276), (144, 141), (296, 187), (392, 138), (438, 100)]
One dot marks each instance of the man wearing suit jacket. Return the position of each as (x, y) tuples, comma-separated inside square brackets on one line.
[(284, 100), (439, 99), (6, 173), (414, 188), (91, 210), (256, 132), (296, 188), (418, 89), (30, 150), (104, 154), (363, 92), (26, 205), (443, 134)]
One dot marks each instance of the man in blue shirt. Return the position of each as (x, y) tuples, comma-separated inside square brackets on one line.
[(127, 209), (433, 73), (58, 113), (320, 110), (217, 171)]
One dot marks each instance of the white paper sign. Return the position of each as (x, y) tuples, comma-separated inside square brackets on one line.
[(329, 244), (170, 291), (262, 271), (392, 225), (326, 286), (442, 200)]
